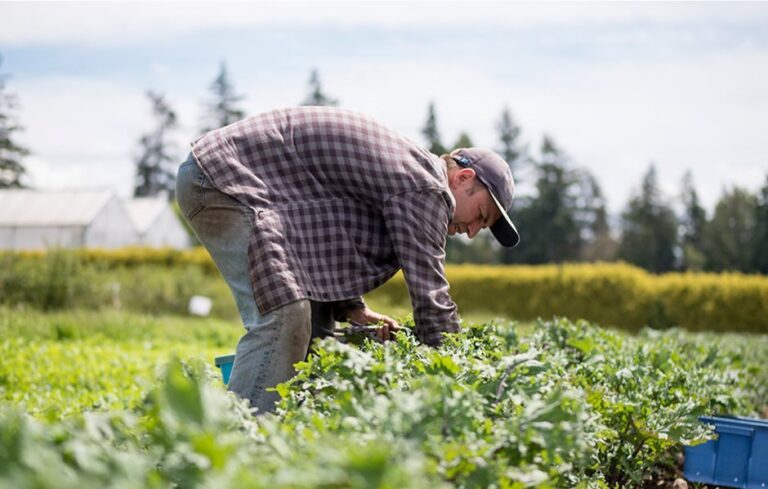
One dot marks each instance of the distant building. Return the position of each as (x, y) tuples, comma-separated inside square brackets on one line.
[(34, 220), (155, 223)]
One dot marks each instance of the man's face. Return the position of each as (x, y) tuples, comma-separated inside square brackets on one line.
[(475, 209)]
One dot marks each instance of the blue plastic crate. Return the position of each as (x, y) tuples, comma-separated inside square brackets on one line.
[(225, 363), (737, 458)]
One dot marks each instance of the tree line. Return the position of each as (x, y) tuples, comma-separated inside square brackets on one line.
[(563, 219)]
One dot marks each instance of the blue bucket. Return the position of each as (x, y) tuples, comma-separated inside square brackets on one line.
[(225, 363), (737, 458)]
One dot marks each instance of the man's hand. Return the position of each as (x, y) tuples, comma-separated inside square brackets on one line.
[(366, 316)]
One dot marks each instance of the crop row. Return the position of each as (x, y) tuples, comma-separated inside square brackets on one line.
[(568, 405)]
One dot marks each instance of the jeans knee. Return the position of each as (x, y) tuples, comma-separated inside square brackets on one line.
[(297, 321)]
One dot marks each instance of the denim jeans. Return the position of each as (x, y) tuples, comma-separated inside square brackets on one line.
[(273, 342)]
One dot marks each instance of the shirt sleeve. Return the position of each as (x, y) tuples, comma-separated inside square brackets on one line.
[(417, 222)]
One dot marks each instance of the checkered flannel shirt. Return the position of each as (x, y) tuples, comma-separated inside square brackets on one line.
[(341, 203)]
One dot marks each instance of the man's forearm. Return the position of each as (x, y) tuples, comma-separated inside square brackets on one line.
[(341, 309)]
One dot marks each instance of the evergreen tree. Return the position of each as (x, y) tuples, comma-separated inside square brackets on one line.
[(464, 141), (431, 132), (222, 109), (11, 153), (316, 95), (760, 246), (649, 224), (691, 226), (156, 161), (482, 249), (510, 148), (549, 221), (598, 244), (729, 236)]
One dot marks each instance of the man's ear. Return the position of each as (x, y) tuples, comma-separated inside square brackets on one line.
[(460, 177), (465, 175)]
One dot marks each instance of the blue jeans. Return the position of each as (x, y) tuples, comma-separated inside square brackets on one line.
[(273, 342)]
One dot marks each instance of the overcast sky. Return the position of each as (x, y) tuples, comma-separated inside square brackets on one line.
[(617, 86)]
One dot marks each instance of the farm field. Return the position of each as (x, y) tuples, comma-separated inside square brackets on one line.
[(62, 363), (123, 399)]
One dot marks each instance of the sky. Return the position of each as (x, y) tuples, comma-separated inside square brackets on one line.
[(617, 86)]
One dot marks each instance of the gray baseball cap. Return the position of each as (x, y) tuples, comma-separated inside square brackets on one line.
[(494, 173)]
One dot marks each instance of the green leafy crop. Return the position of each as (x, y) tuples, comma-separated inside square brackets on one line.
[(568, 405)]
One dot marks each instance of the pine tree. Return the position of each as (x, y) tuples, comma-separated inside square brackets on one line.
[(598, 244), (316, 95), (729, 237), (760, 245), (431, 132), (222, 109), (510, 149), (12, 170), (649, 234), (482, 249), (464, 141), (157, 158), (691, 226), (549, 221)]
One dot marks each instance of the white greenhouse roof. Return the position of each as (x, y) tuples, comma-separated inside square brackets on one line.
[(51, 208), (144, 211)]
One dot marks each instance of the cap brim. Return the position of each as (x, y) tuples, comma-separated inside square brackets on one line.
[(503, 229)]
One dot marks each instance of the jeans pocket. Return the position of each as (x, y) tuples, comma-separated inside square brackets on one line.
[(190, 188)]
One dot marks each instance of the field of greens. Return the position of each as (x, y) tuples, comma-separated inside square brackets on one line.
[(122, 399)]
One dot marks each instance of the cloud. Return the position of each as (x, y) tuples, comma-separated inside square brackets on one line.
[(607, 96), (704, 113), (82, 132), (142, 22)]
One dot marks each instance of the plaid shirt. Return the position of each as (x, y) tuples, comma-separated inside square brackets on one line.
[(341, 203)]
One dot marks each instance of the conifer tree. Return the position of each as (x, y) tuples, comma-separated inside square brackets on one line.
[(760, 245), (729, 236), (691, 226), (222, 109), (649, 228), (431, 132), (316, 94), (599, 244), (156, 161), (12, 170), (549, 220), (464, 141), (510, 149)]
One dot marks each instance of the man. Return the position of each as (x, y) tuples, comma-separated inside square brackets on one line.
[(303, 210)]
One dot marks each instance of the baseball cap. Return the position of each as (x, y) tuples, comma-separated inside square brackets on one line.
[(494, 173)]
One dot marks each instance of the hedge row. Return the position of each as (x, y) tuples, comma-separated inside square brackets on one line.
[(610, 294), (131, 256), (161, 284)]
